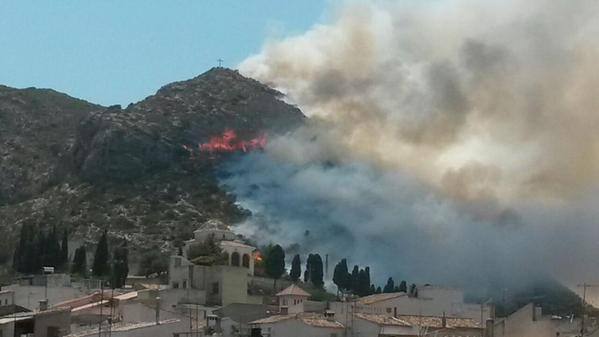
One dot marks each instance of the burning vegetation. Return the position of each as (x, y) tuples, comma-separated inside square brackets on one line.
[(228, 142)]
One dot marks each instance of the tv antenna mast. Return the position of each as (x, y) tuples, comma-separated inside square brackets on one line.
[(220, 62), (584, 287)]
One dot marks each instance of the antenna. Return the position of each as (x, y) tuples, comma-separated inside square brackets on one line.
[(220, 62), (584, 287)]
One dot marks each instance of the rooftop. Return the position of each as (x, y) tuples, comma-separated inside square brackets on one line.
[(314, 320), (294, 290), (383, 320), (236, 244), (437, 321), (379, 298)]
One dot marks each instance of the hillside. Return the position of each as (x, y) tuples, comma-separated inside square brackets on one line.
[(127, 169)]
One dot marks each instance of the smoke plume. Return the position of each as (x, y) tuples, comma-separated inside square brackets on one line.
[(449, 140)]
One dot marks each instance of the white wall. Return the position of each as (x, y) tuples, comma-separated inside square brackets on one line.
[(295, 328)]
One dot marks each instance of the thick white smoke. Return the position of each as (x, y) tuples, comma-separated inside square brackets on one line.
[(448, 138)]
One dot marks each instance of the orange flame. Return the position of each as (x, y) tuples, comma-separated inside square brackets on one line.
[(229, 142)]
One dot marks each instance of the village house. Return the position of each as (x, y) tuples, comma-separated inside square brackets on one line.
[(430, 301), (530, 321), (292, 299), (297, 325)]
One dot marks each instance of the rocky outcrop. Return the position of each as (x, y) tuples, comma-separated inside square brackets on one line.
[(73, 164), (148, 136), (38, 128)]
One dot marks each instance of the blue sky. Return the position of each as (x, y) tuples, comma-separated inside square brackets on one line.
[(118, 52)]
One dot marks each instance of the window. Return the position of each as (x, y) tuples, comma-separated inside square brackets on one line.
[(246, 260), (184, 284), (388, 310), (175, 285), (235, 259)]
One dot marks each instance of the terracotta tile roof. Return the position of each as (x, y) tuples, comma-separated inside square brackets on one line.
[(320, 322), (272, 319), (294, 290), (437, 321), (379, 298), (314, 320), (382, 320), (235, 244)]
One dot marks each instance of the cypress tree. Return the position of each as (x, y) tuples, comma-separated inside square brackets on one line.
[(354, 280), (367, 281), (378, 290), (120, 266), (341, 276), (100, 264), (390, 286), (64, 249), (53, 253), (413, 290), (308, 268), (372, 289), (275, 263), (403, 286), (296, 271), (80, 262), (316, 272)]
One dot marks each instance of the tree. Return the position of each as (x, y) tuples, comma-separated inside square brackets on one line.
[(378, 290), (53, 253), (100, 266), (153, 262), (367, 281), (64, 250), (403, 286), (80, 262), (120, 266), (296, 271), (372, 289), (354, 280), (275, 263), (413, 291), (316, 271), (308, 268), (341, 276), (389, 287)]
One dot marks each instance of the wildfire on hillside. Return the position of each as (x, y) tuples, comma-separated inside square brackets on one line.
[(228, 142)]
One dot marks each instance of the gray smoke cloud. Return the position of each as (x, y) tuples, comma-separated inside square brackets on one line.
[(449, 141)]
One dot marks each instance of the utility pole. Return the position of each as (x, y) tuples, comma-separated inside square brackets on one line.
[(584, 287)]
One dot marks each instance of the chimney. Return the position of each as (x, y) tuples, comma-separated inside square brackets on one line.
[(43, 305), (489, 328), (284, 310), (329, 315), (444, 320)]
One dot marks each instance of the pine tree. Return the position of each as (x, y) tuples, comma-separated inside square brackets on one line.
[(80, 262), (296, 271), (120, 266), (403, 286), (316, 272), (275, 263), (390, 286), (100, 265), (372, 289), (64, 248)]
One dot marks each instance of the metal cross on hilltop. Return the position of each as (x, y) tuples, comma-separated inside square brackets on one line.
[(220, 63)]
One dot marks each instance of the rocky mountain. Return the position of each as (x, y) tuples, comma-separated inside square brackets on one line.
[(84, 167)]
